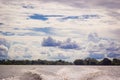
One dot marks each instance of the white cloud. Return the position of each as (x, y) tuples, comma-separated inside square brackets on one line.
[(15, 20), (4, 47)]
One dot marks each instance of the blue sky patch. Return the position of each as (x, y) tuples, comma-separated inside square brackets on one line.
[(82, 17), (96, 56), (28, 34), (47, 30), (113, 55), (39, 17), (7, 33), (63, 17), (16, 29), (27, 56), (70, 17), (60, 57), (44, 17)]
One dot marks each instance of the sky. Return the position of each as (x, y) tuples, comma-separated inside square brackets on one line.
[(59, 29)]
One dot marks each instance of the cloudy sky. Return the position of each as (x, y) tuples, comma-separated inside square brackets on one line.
[(59, 29)]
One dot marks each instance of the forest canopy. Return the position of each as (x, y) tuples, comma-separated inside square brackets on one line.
[(87, 61)]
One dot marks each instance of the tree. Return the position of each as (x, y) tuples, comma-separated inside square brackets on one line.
[(79, 62), (90, 61), (106, 61), (116, 62)]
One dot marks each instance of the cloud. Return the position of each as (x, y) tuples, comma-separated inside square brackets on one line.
[(85, 3), (93, 4), (99, 47), (81, 17), (27, 56), (116, 32), (4, 42), (113, 55), (28, 6), (1, 24), (93, 37), (28, 34), (20, 17), (115, 14), (96, 55), (55, 16), (75, 3), (52, 48), (70, 17), (4, 47), (26, 21), (50, 42), (47, 30), (60, 56), (68, 44), (3, 52), (111, 4), (19, 51), (44, 17), (64, 17), (113, 50), (7, 33), (25, 33)]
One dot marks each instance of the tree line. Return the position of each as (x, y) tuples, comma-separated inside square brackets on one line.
[(87, 61), (92, 61), (34, 62)]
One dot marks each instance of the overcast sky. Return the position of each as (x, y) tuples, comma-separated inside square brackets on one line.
[(59, 29)]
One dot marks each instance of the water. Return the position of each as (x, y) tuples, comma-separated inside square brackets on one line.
[(33, 72)]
